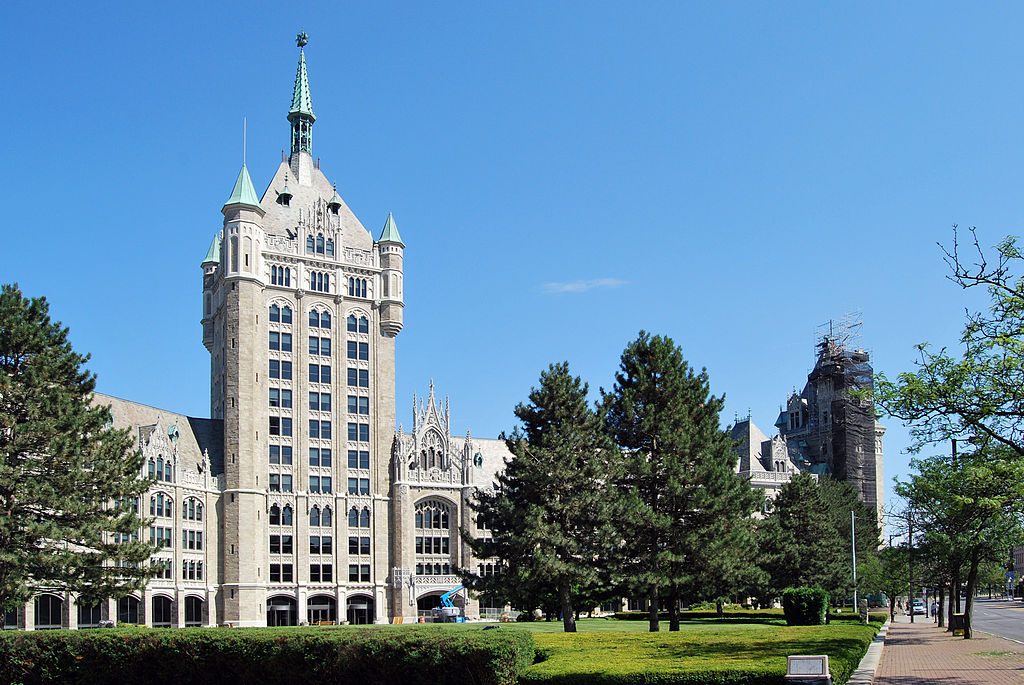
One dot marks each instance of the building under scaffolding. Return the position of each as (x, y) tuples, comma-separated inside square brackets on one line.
[(825, 429)]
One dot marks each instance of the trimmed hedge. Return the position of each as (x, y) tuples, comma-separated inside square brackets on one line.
[(805, 606), (749, 614), (287, 656)]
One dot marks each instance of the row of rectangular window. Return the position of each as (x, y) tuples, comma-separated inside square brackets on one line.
[(358, 545), (319, 456), (433, 569), (356, 378), (282, 482), (358, 459), (318, 573), (358, 405), (320, 484), (321, 544), (280, 341), (318, 401), (191, 539), (432, 545), (319, 373), (320, 346), (280, 544), (359, 573), (356, 350), (282, 425), (191, 570), (280, 454), (161, 537), (359, 486)]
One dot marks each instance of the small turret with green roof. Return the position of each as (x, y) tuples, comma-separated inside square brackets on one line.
[(243, 193), (213, 254), (390, 232)]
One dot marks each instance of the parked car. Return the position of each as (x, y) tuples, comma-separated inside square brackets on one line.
[(919, 609)]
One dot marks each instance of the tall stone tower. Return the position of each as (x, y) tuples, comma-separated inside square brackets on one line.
[(300, 312)]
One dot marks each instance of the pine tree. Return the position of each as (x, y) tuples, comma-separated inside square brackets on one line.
[(687, 512), (550, 514), (800, 546), (66, 477)]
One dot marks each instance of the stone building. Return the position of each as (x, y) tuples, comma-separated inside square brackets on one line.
[(297, 501), (823, 430)]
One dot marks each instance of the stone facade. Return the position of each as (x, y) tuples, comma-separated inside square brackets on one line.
[(312, 504)]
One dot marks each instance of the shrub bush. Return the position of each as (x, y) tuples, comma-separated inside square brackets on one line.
[(290, 656), (804, 606), (740, 614)]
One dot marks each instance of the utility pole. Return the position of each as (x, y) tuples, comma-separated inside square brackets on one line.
[(853, 552)]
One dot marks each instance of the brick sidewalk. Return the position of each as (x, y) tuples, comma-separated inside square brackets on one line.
[(921, 653)]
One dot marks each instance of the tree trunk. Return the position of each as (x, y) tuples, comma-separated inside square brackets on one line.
[(652, 615), (720, 608), (942, 606), (972, 580), (568, 615), (959, 587), (673, 609), (951, 609)]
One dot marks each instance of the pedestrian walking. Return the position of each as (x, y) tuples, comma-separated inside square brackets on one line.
[(935, 611)]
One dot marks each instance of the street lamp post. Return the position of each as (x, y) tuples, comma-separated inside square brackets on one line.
[(853, 554)]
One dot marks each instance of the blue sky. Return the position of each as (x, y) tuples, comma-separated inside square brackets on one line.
[(731, 175)]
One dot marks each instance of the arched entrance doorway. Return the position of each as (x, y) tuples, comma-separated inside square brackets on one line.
[(193, 612), (426, 604), (360, 609), (128, 610), (49, 611), (163, 611), (281, 611), (321, 609)]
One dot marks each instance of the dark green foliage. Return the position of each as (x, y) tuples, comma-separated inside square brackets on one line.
[(800, 545), (552, 513), (840, 499), (688, 517), (61, 467), (739, 616), (359, 656), (804, 606)]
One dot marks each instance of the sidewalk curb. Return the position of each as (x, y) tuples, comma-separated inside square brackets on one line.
[(865, 672)]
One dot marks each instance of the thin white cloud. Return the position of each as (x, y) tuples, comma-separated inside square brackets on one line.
[(582, 286)]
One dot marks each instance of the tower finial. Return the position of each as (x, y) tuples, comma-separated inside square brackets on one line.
[(301, 114), (302, 39)]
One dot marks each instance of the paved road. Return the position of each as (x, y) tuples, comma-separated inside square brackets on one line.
[(999, 617)]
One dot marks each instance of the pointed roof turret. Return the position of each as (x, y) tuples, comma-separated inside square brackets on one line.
[(243, 193), (301, 114), (390, 232), (213, 254)]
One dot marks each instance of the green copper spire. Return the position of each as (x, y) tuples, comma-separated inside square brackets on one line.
[(390, 232), (301, 114), (243, 192), (213, 254)]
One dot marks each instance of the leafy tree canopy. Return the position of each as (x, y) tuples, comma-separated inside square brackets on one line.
[(980, 391)]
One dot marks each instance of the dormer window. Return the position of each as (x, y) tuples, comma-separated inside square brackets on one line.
[(309, 244), (330, 247), (320, 243)]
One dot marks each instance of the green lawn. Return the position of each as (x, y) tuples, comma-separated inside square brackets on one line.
[(728, 651)]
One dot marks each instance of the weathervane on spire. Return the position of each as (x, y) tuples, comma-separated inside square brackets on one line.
[(301, 39)]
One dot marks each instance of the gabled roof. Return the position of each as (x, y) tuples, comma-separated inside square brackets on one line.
[(390, 232), (302, 103), (243, 192)]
